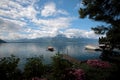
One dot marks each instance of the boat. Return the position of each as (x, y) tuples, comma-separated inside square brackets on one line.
[(90, 47), (50, 48)]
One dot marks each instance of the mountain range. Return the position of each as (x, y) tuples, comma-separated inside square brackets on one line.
[(58, 38), (2, 41)]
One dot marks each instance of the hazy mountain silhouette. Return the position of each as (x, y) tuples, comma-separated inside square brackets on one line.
[(58, 38), (2, 41)]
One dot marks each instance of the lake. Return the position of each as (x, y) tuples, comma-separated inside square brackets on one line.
[(25, 50)]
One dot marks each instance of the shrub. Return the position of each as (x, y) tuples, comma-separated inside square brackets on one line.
[(8, 68), (75, 74), (98, 63), (96, 72), (34, 67), (59, 66)]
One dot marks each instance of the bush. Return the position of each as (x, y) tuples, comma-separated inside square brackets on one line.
[(8, 68), (59, 69), (97, 70), (59, 66), (98, 63), (75, 74), (34, 67)]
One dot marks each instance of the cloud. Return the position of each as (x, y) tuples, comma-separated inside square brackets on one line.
[(15, 15), (79, 5), (25, 2), (49, 27), (10, 29), (10, 25), (19, 19), (15, 10), (79, 33), (51, 10), (61, 22)]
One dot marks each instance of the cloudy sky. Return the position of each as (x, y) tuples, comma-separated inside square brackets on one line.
[(43, 18)]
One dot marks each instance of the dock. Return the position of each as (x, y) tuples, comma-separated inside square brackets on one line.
[(70, 59)]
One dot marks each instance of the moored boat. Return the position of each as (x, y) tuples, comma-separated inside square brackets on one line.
[(90, 47), (50, 48)]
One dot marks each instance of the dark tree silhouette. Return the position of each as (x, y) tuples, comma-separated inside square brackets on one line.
[(107, 11)]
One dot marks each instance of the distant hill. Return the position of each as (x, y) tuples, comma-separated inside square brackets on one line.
[(58, 38), (2, 41)]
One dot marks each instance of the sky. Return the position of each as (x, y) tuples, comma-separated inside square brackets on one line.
[(43, 18)]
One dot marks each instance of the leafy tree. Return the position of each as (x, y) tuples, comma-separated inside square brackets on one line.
[(107, 11)]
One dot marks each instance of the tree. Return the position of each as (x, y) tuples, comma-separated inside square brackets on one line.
[(34, 68), (107, 11)]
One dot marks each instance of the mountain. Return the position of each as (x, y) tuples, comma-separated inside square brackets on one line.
[(59, 38), (36, 40), (2, 41)]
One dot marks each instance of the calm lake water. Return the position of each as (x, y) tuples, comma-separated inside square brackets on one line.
[(26, 50)]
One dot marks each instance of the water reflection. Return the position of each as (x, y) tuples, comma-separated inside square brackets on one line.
[(25, 50)]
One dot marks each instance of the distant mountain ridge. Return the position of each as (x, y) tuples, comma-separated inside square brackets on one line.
[(2, 41), (58, 38)]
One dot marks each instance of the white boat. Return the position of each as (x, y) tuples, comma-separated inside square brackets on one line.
[(90, 47)]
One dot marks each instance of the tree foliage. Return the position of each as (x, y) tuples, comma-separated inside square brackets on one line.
[(9, 68), (59, 66), (34, 67), (107, 11)]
